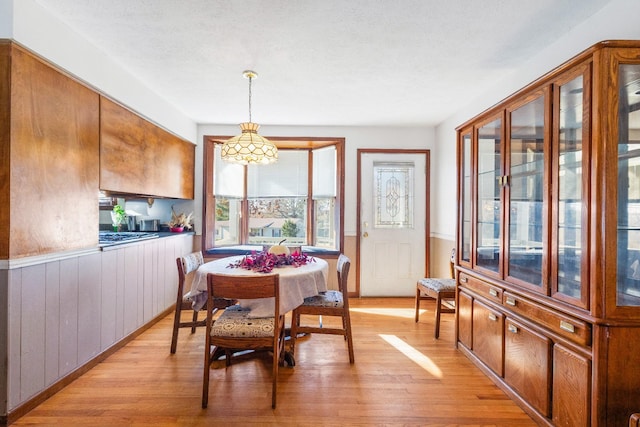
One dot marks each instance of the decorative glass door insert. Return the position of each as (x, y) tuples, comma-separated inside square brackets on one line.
[(393, 195)]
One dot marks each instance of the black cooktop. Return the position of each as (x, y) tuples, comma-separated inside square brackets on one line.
[(111, 237)]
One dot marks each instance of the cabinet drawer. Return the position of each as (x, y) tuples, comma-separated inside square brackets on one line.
[(570, 328), (488, 291)]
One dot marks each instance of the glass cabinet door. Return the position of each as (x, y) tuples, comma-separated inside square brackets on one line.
[(489, 183), (526, 193), (570, 159), (465, 199), (628, 191)]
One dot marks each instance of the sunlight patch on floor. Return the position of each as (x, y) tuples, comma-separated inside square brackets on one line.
[(408, 313), (413, 354)]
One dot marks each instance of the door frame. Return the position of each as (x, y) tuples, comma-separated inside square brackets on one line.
[(427, 232)]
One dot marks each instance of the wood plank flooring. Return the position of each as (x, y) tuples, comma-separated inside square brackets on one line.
[(402, 376)]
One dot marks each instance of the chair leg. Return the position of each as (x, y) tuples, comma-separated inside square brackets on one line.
[(194, 320), (417, 304), (293, 335), (176, 326), (276, 364), (205, 376), (438, 310), (347, 329)]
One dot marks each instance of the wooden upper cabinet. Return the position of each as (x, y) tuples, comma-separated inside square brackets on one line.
[(138, 157), (53, 159), (5, 144)]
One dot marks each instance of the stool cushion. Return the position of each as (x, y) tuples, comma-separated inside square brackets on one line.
[(235, 322), (325, 299), (438, 285)]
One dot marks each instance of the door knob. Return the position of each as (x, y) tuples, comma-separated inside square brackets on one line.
[(365, 234)]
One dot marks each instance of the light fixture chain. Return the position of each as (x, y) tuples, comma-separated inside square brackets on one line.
[(250, 98)]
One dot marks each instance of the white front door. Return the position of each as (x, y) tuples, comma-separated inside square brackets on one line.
[(392, 221)]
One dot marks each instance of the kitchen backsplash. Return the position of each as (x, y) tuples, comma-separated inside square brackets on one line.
[(160, 210)]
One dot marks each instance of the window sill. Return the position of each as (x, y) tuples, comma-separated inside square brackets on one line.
[(247, 249)]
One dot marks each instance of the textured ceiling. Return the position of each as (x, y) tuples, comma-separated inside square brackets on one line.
[(321, 62)]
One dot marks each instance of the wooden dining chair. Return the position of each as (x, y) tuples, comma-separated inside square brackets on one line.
[(234, 330), (329, 303), (186, 265), (443, 290)]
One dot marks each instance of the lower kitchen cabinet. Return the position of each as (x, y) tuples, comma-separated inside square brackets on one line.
[(488, 335), (527, 363), (63, 313), (571, 387)]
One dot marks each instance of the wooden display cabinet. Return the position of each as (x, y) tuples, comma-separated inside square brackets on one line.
[(548, 241)]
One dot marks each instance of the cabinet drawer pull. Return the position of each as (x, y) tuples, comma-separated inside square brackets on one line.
[(513, 328), (511, 301), (493, 317), (566, 326), (463, 279), (493, 292)]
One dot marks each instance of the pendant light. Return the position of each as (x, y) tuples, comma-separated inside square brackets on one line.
[(249, 147)]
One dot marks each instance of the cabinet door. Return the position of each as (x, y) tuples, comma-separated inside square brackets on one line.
[(570, 188), (526, 194), (53, 152), (571, 388), (489, 181), (465, 310), (138, 157), (488, 336), (464, 189), (628, 187), (527, 365)]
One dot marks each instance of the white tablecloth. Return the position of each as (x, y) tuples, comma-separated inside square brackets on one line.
[(296, 284)]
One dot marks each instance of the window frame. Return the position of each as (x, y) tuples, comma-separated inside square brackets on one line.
[(288, 143)]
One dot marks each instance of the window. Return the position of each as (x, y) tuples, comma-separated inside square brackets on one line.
[(299, 198)]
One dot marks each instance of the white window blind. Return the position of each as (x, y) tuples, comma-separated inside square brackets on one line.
[(324, 172), (288, 177), (229, 177)]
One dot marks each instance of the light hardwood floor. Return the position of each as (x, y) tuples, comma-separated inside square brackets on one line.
[(401, 376)]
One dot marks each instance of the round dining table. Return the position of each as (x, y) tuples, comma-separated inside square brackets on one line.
[(296, 284)]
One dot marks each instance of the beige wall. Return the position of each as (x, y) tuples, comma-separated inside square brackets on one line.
[(440, 251)]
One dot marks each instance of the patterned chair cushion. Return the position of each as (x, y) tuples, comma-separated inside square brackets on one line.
[(234, 322), (438, 285), (325, 299), (192, 261)]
